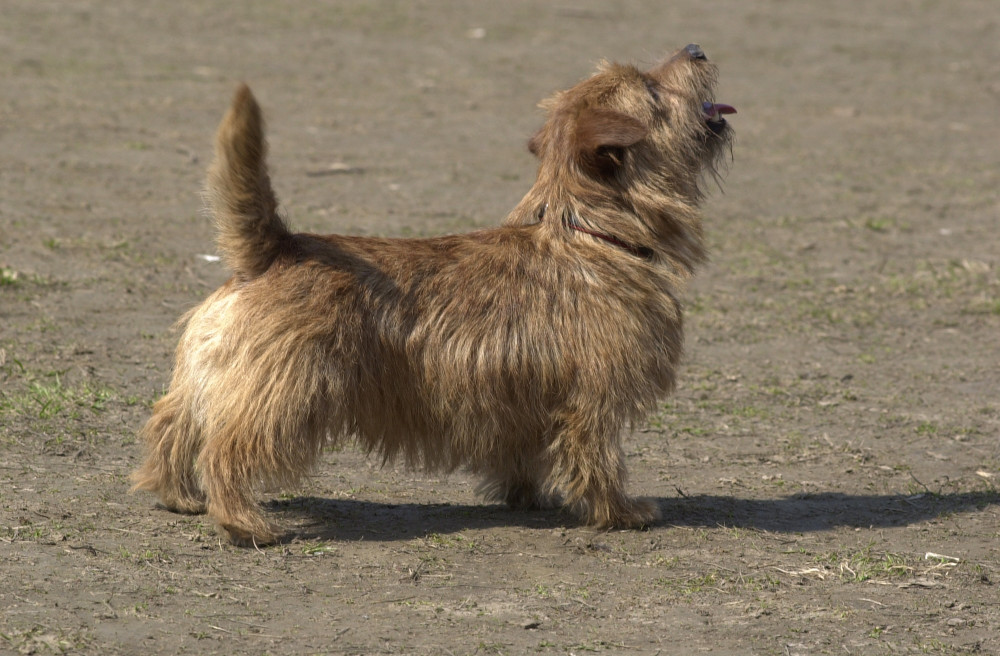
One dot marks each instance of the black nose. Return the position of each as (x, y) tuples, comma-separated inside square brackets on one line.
[(695, 51)]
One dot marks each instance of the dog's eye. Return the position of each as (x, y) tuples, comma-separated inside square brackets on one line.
[(651, 87)]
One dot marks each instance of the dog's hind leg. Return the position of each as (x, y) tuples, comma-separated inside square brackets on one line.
[(229, 474), (172, 442), (264, 429)]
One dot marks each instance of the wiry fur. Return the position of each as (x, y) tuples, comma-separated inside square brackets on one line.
[(519, 352)]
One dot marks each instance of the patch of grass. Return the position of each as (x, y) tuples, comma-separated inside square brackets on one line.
[(451, 541), (135, 399), (655, 422), (744, 411), (868, 565), (41, 639), (718, 581), (48, 398), (692, 585), (878, 223), (44, 396), (981, 306), (26, 283), (318, 548), (9, 277), (27, 532), (750, 411), (152, 556), (600, 645), (142, 557)]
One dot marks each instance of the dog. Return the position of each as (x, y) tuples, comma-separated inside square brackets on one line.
[(519, 352)]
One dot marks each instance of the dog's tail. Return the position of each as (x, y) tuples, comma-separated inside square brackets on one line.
[(250, 232)]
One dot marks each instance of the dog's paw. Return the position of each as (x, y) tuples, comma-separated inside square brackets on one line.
[(630, 514), (518, 494), (185, 505), (530, 498), (243, 538), (637, 513)]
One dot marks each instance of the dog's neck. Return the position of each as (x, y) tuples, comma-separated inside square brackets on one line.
[(570, 220), (659, 228)]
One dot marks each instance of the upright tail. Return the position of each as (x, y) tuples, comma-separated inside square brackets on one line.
[(250, 233)]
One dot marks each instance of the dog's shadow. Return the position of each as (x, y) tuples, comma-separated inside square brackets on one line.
[(348, 519)]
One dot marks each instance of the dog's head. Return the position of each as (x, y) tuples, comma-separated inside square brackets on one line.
[(625, 127)]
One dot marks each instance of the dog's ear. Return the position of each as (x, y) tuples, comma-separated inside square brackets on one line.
[(535, 143), (602, 135)]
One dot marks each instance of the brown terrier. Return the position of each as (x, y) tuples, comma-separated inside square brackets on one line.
[(518, 352)]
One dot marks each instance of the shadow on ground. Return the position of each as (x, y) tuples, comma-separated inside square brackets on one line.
[(350, 519)]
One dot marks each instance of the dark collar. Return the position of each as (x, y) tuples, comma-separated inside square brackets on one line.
[(570, 221)]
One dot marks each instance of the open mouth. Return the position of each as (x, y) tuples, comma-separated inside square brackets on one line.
[(713, 115)]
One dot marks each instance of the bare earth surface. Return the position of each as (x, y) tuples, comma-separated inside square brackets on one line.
[(829, 471)]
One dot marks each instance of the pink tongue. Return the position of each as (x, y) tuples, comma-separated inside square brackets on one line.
[(711, 109)]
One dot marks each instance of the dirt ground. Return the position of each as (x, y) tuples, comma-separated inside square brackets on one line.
[(829, 471)]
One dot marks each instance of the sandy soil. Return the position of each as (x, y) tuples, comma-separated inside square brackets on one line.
[(828, 470)]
